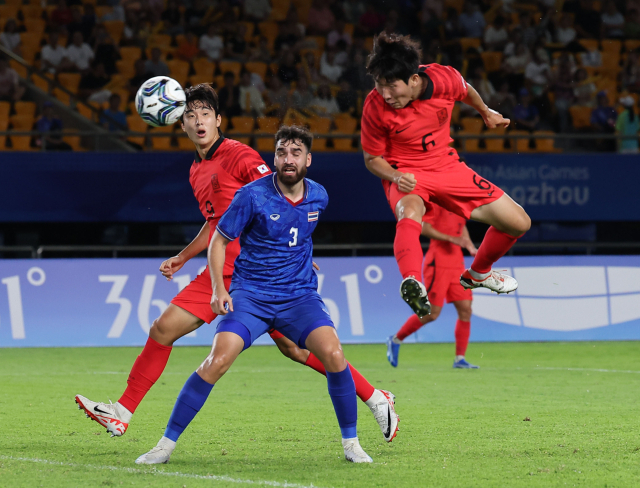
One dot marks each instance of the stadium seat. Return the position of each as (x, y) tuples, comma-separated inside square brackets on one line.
[(457, 4), (319, 144), (114, 28), (257, 67), (495, 145), (234, 66), (71, 81), (345, 124), (611, 46), (320, 125), (472, 124), (268, 124), (136, 124), (162, 143), (521, 144), (126, 69), (303, 7), (21, 143), (199, 79), (492, 61), (103, 10), (631, 44), (159, 40), (74, 142), (31, 12), (9, 11), (130, 54), (4, 124), (204, 67), (264, 144), (279, 10), (41, 83), (581, 116), (179, 70), (268, 30), (343, 144), (26, 109), (5, 108), (319, 41), (589, 44), (19, 68), (85, 111), (22, 122), (545, 145), (349, 28), (469, 42), (242, 125), (468, 145), (184, 143), (62, 96)]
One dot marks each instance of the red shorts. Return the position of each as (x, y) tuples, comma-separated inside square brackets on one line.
[(443, 283), (454, 186)]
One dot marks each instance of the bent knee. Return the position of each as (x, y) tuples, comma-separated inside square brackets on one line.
[(216, 365), (295, 353)]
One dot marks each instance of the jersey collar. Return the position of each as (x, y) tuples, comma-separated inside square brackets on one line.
[(428, 92), (279, 191), (213, 149)]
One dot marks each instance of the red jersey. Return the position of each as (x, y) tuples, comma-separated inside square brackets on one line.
[(229, 165), (446, 254), (417, 135)]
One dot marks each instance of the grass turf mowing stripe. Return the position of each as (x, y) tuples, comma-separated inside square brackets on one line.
[(154, 472), (591, 370)]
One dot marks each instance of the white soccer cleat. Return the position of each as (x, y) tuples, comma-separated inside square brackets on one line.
[(353, 452), (496, 281), (106, 414), (159, 454), (385, 414)]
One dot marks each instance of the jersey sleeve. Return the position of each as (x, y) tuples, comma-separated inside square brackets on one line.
[(237, 216), (448, 83), (372, 134), (251, 166)]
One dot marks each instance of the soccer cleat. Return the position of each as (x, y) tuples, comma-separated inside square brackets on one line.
[(415, 294), (159, 454), (463, 364), (498, 282), (393, 350), (353, 452), (106, 414), (385, 414)]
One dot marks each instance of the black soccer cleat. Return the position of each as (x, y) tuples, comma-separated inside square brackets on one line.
[(415, 294)]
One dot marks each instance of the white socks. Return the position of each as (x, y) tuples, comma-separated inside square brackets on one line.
[(167, 444), (478, 276), (395, 340), (124, 414), (458, 358), (375, 398)]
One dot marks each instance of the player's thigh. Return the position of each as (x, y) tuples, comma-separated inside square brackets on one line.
[(323, 342), (505, 215), (298, 318), (173, 323), (195, 298), (288, 348), (224, 351), (463, 307), (250, 319)]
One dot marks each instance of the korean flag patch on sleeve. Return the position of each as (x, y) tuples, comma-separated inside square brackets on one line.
[(263, 168)]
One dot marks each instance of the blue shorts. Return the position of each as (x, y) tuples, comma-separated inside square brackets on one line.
[(254, 314)]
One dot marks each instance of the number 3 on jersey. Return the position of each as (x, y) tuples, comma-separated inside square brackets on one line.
[(294, 240)]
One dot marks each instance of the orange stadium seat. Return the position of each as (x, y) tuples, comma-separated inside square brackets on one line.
[(520, 144), (546, 144), (492, 61), (5, 108), (581, 116), (495, 145), (22, 122), (4, 124), (9, 11), (631, 44), (589, 44), (21, 143), (319, 41), (611, 46), (468, 145), (31, 12), (130, 54), (248, 34), (103, 10), (268, 124), (71, 81), (257, 67), (320, 125), (204, 67), (270, 31), (40, 83), (345, 124), (136, 124), (343, 144), (242, 125), (126, 69), (319, 144), (279, 9), (27, 109), (184, 143), (114, 28), (303, 7), (162, 143), (179, 70), (62, 96), (74, 142), (472, 124), (85, 111), (234, 66), (200, 79), (469, 42), (19, 68), (159, 40)]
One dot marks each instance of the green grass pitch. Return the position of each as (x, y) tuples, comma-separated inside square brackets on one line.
[(536, 414)]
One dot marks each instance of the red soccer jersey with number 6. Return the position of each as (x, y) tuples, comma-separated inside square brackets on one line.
[(417, 135)]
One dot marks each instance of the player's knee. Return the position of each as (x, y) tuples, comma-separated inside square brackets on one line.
[(521, 225), (160, 332), (294, 353), (432, 316), (333, 360), (216, 365), (464, 313)]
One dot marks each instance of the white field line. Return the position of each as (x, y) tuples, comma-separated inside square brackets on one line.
[(155, 472), (592, 370)]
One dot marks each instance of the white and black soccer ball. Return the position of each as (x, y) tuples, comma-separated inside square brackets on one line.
[(160, 101)]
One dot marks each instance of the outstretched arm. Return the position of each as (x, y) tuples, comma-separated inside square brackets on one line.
[(383, 170), (492, 118), (215, 259), (172, 265)]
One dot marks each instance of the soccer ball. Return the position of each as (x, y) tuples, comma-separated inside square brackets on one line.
[(160, 101)]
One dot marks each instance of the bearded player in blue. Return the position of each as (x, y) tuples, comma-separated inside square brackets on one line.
[(274, 286)]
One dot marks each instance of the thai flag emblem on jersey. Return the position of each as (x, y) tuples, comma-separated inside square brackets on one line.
[(313, 216)]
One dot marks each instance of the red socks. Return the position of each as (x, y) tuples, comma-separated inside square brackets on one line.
[(145, 372), (463, 330), (410, 326), (364, 389), (407, 248), (494, 245)]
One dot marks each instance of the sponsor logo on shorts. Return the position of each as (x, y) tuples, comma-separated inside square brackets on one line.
[(313, 216)]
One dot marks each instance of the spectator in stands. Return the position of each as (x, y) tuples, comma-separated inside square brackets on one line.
[(603, 117), (212, 43), (113, 118), (10, 37), (61, 15), (563, 94), (347, 97), (173, 19), (195, 15), (496, 35), (156, 66), (515, 38), (322, 18), (290, 33), (584, 88), (529, 34), (628, 125), (277, 98), (79, 53), (503, 100), (89, 20), (391, 22), (371, 21), (432, 26), (106, 50), (93, 83), (52, 56), (632, 24), (514, 66), (188, 48), (588, 21), (256, 10), (329, 69), (471, 20), (612, 21), (81, 24), (301, 96), (356, 72), (229, 97), (251, 100), (11, 89), (131, 34), (526, 115), (309, 70), (139, 78), (51, 128), (261, 52), (324, 103), (236, 45), (630, 75), (452, 28), (565, 33), (353, 10), (338, 34), (287, 70), (537, 73), (342, 54)]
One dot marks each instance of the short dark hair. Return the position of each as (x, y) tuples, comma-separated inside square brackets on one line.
[(292, 133), (203, 93), (394, 57)]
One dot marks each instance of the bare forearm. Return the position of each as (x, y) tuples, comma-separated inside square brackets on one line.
[(380, 167), (431, 233), (197, 245), (474, 100), (215, 260), (465, 233)]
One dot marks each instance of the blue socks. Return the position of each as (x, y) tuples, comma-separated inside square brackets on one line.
[(190, 400), (342, 390)]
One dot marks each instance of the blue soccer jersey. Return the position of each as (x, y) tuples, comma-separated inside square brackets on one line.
[(275, 237)]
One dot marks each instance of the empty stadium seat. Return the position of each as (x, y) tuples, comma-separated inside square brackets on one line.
[(162, 143), (521, 144), (319, 125), (581, 116), (257, 67), (136, 124), (344, 144), (268, 124), (130, 54), (71, 81), (75, 142), (114, 28), (126, 69), (546, 144), (472, 124), (242, 125), (22, 122), (21, 143), (234, 66), (279, 10), (179, 70), (469, 42), (468, 144), (204, 67), (492, 61), (495, 145), (27, 109), (345, 124)]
